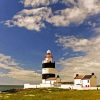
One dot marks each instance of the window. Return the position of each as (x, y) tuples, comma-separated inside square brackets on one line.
[(87, 81)]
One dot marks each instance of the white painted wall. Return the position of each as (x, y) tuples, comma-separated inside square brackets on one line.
[(43, 81), (46, 85), (29, 86), (66, 86), (85, 83), (63, 86), (48, 81), (77, 82)]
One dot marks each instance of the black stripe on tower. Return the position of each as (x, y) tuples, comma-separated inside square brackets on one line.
[(48, 65), (46, 76)]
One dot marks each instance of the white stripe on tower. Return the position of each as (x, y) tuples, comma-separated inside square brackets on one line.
[(48, 70)]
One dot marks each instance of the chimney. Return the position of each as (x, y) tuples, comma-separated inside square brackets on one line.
[(92, 74), (77, 75), (58, 76)]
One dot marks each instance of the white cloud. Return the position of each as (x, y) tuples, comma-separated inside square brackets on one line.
[(25, 75), (76, 14), (35, 18), (7, 60), (90, 5), (15, 72), (81, 64), (36, 3), (58, 20), (30, 19), (67, 16), (74, 43)]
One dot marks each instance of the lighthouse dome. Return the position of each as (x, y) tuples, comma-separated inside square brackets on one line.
[(48, 51)]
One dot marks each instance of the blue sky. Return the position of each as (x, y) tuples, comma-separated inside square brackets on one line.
[(28, 28)]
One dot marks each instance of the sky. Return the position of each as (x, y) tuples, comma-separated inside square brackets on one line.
[(28, 28)]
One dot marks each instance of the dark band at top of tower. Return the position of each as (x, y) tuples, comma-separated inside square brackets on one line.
[(48, 65)]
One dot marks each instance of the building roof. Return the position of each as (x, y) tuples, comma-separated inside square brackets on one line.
[(83, 77), (79, 77), (67, 82), (87, 77)]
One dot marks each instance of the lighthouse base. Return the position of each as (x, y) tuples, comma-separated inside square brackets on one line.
[(46, 81)]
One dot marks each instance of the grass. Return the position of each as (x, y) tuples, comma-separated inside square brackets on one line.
[(52, 94)]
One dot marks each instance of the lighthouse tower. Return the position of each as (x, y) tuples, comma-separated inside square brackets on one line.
[(48, 67)]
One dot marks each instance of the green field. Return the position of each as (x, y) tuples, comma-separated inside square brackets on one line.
[(52, 94)]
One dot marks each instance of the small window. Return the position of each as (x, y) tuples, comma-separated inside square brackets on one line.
[(88, 81)]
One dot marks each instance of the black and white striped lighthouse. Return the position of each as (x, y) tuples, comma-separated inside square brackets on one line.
[(48, 67)]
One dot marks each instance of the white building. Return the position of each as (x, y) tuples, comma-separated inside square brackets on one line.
[(85, 80), (78, 80)]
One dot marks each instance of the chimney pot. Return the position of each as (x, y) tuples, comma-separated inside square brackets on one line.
[(92, 73), (77, 75)]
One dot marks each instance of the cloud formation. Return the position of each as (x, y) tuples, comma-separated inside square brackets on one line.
[(81, 10), (37, 3), (12, 70), (74, 43), (81, 64), (30, 19), (35, 18)]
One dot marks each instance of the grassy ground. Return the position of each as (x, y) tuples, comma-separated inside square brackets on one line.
[(51, 94)]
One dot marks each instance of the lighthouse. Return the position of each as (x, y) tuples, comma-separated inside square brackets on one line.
[(48, 67)]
